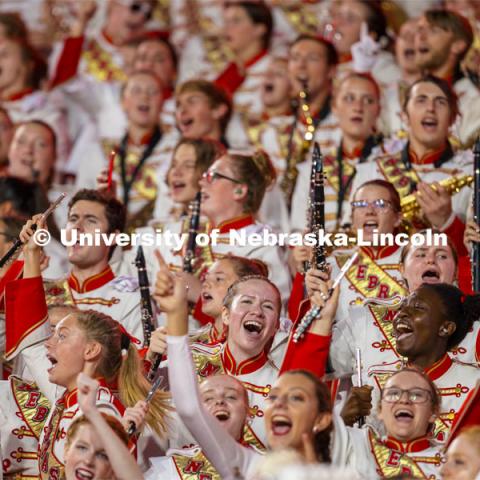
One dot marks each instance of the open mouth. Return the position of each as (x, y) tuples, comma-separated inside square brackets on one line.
[(423, 50), (404, 416), (430, 124), (222, 415), (431, 276), (268, 88), (186, 123), (402, 330), (178, 185), (83, 474), (370, 225), (206, 297), (143, 108), (253, 327), (53, 361), (409, 53), (281, 425)]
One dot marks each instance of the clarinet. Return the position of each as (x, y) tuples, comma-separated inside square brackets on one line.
[(476, 216), (317, 209), (192, 233), (146, 309)]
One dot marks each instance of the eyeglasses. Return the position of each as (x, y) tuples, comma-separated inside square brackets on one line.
[(211, 175), (380, 205), (137, 7), (414, 395)]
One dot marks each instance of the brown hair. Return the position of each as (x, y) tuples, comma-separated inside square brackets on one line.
[(259, 13), (443, 86), (257, 172), (114, 209), (113, 423), (133, 386), (394, 196), (14, 26), (362, 76), (233, 290), (244, 267), (206, 152), (216, 97), (332, 55), (324, 401), (473, 434), (452, 22), (12, 227)]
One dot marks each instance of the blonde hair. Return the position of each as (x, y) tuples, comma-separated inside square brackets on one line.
[(472, 433), (133, 386)]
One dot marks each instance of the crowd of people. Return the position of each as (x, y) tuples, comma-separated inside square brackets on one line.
[(186, 120)]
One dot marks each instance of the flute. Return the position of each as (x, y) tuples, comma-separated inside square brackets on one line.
[(358, 369), (192, 233), (146, 309), (155, 386), (315, 311), (18, 243), (476, 216)]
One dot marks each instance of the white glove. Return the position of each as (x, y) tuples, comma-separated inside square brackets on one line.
[(365, 52)]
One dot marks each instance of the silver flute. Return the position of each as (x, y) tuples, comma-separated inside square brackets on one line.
[(315, 311)]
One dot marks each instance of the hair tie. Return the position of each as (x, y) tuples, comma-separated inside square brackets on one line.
[(125, 338)]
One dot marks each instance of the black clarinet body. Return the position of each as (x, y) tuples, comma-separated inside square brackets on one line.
[(317, 210), (476, 216), (146, 310), (192, 233)]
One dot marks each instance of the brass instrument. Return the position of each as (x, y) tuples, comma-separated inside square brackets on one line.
[(410, 206), (290, 177)]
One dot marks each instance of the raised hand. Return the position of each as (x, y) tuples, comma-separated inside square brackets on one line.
[(87, 393), (358, 404), (365, 52), (436, 204), (158, 343)]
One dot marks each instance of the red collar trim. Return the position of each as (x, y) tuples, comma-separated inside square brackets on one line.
[(413, 446), (145, 140), (379, 252), (247, 366), (354, 154), (19, 95), (255, 58), (108, 38), (427, 159), (345, 58), (167, 93), (439, 368), (236, 223), (93, 282), (69, 399)]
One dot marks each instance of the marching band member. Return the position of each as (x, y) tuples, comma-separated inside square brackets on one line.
[(461, 457), (298, 413), (433, 320), (430, 108), (142, 155), (356, 105), (407, 409)]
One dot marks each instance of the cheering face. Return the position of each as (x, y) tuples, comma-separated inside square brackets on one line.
[(276, 84), (347, 19), (428, 115), (308, 61), (357, 107), (406, 406), (13, 69), (376, 214), (86, 216), (85, 458), (253, 317), (215, 285), (196, 118), (292, 411), (429, 265), (462, 460), (142, 100), (433, 45), (65, 351), (226, 399), (405, 47), (156, 57), (127, 19), (219, 187), (182, 177), (420, 323), (32, 153), (239, 31)]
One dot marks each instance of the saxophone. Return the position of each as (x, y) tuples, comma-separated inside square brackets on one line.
[(290, 177), (410, 206)]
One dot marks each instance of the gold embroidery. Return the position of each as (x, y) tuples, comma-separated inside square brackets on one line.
[(393, 171), (196, 467), (98, 301), (100, 64)]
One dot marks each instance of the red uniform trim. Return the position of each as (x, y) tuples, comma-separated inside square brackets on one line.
[(428, 158), (439, 368), (247, 366), (413, 446), (67, 66), (93, 282), (13, 273), (19, 95), (455, 231), (236, 223)]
